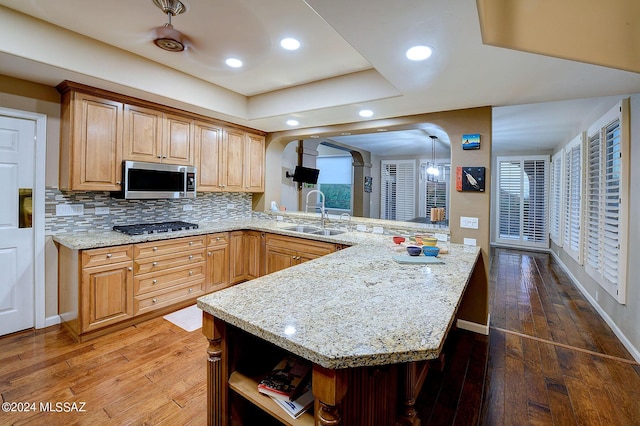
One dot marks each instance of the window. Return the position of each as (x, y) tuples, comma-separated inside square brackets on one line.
[(605, 219), (573, 198), (434, 191), (522, 201), (398, 189), (335, 181), (555, 198)]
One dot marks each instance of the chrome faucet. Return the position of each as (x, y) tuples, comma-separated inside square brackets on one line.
[(322, 211), (348, 216)]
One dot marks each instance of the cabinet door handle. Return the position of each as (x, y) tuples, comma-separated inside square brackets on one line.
[(155, 249), (109, 255), (154, 281), (293, 257), (154, 300), (190, 256), (190, 243), (218, 238), (190, 272), (155, 263), (159, 156), (164, 156), (130, 268), (190, 290), (209, 253), (118, 182)]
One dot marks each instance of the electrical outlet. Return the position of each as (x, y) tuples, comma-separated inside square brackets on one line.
[(280, 218), (102, 210), (378, 230), (441, 237), (69, 209), (362, 228), (231, 206), (187, 207), (470, 241)]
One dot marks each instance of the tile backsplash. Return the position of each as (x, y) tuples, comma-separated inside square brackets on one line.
[(205, 207)]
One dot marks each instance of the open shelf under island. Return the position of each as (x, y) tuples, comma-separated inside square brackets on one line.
[(369, 325)]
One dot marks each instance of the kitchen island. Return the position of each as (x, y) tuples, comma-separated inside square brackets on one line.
[(370, 327)]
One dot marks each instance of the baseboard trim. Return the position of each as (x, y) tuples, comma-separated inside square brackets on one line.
[(52, 320), (474, 327), (616, 330)]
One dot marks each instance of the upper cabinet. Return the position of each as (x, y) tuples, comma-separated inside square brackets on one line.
[(157, 137), (91, 143), (229, 159), (100, 129)]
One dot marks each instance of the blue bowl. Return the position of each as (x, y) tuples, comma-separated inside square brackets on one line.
[(430, 250), (414, 250)]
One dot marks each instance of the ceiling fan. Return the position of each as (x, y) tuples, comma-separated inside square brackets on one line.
[(166, 37)]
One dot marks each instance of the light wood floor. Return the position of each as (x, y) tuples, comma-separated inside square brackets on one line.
[(549, 360)]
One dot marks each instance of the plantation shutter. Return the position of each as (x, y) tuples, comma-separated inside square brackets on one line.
[(555, 199), (522, 205), (612, 199), (573, 210), (397, 197)]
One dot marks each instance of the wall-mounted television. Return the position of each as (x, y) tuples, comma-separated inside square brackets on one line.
[(305, 175)]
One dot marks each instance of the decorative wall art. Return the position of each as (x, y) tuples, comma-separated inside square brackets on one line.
[(470, 179), (368, 183), (471, 141)]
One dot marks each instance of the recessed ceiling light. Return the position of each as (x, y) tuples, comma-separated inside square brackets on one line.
[(345, 133), (234, 62), (366, 113), (381, 130), (290, 43), (419, 53), (292, 122), (314, 136)]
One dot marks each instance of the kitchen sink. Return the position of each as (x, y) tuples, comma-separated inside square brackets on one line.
[(327, 231), (302, 228)]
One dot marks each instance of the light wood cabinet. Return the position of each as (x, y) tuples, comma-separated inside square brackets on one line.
[(210, 155), (217, 261), (90, 142), (254, 163), (168, 272), (245, 255), (155, 136), (143, 133), (95, 288), (229, 159), (282, 252)]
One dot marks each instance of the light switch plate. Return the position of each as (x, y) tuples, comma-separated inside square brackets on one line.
[(468, 222), (280, 218), (187, 207), (378, 230), (441, 237)]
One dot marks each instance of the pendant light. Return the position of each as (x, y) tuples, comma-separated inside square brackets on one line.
[(433, 168)]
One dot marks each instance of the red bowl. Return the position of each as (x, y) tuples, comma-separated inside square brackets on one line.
[(398, 240)]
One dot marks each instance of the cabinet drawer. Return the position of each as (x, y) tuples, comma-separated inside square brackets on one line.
[(221, 238), (160, 299), (106, 256), (159, 263), (300, 245), (158, 248), (168, 278)]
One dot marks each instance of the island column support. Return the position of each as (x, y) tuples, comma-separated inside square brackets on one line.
[(217, 371), (329, 387)]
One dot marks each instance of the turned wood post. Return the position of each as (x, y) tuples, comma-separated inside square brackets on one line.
[(217, 371), (410, 387), (329, 387)]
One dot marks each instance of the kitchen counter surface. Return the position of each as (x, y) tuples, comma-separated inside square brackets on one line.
[(355, 307), (88, 240)]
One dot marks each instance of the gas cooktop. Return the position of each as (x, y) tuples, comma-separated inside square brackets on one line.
[(154, 228)]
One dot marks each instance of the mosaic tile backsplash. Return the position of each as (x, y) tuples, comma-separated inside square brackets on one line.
[(206, 207)]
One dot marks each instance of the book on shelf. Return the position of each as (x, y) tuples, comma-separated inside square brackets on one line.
[(287, 379), (298, 406)]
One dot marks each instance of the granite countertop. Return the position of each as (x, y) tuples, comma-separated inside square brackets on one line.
[(355, 307)]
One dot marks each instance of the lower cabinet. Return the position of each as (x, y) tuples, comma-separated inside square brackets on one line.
[(107, 288), (282, 252)]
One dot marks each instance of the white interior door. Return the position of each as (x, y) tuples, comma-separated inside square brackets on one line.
[(17, 159)]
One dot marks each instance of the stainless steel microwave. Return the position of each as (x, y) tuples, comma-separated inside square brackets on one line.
[(141, 180)]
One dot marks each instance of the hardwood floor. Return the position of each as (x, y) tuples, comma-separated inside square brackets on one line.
[(549, 360)]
